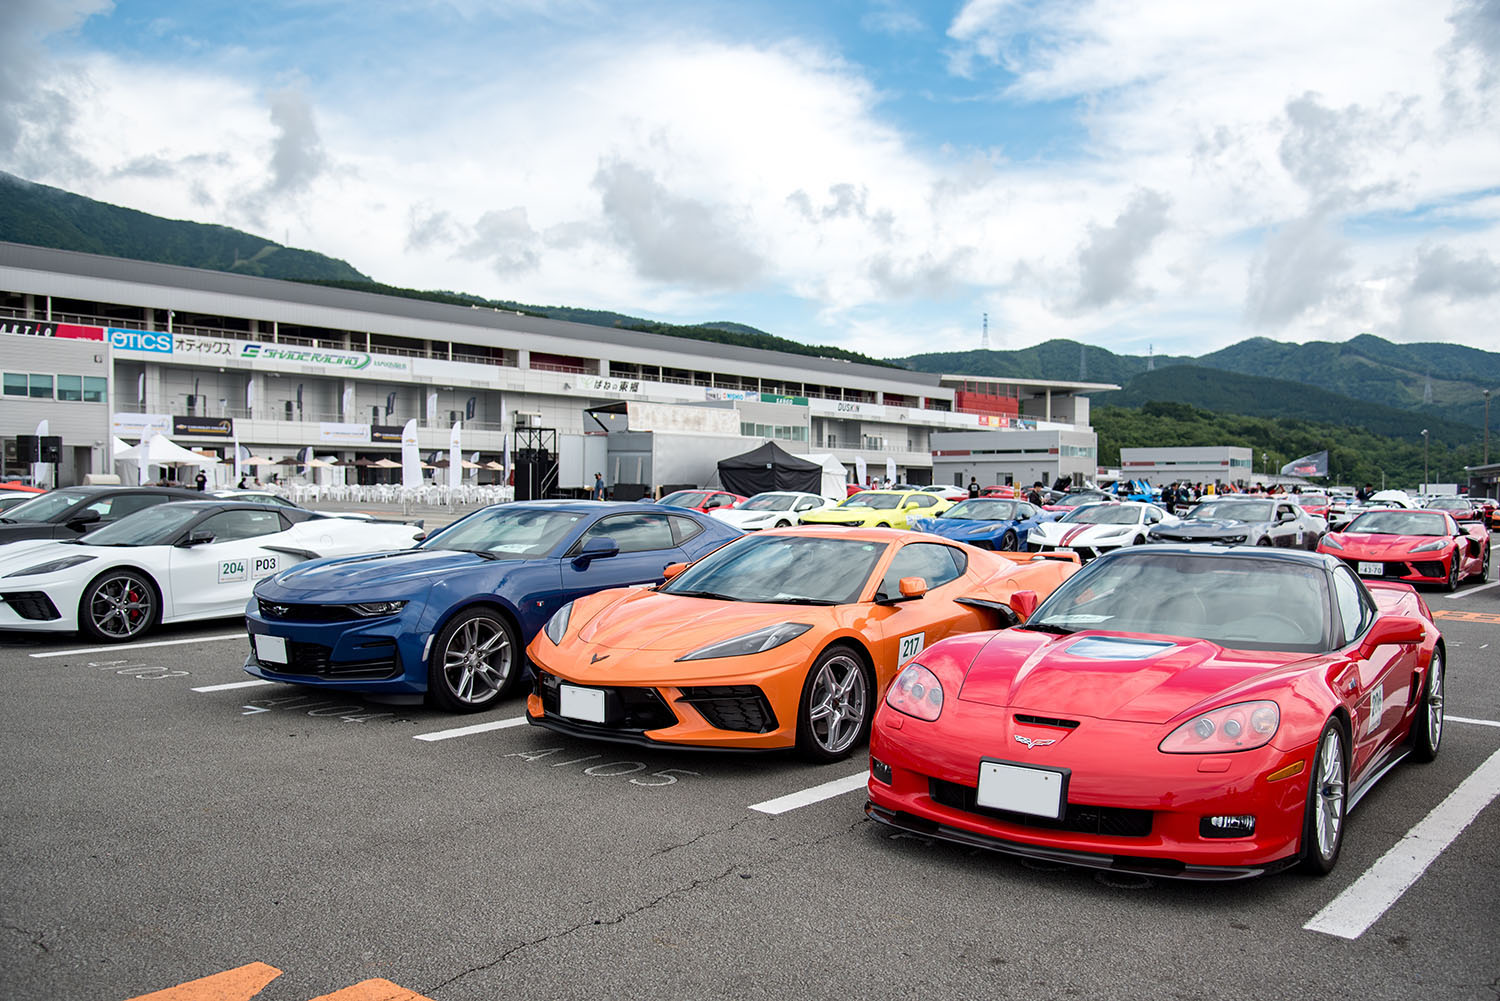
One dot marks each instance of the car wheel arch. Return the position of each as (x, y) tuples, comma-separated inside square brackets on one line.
[(146, 575), (492, 602)]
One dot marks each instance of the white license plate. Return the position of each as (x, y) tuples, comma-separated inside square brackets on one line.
[(270, 649), (586, 704), (1021, 789), (1371, 569)]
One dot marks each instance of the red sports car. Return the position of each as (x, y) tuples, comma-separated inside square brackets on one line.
[(1177, 711), (703, 500), (1414, 546), (1314, 504)]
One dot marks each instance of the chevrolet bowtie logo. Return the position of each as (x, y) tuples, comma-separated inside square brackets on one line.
[(1034, 743), (596, 658)]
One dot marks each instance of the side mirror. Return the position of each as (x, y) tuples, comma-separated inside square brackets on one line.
[(1023, 603), (598, 548), (1392, 629), (672, 570), (83, 519), (1287, 516), (912, 587), (196, 538), (910, 504)]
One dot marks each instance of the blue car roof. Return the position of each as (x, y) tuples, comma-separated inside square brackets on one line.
[(591, 506), (1301, 556)]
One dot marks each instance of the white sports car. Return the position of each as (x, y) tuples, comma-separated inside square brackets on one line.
[(772, 509), (1097, 528), (172, 563)]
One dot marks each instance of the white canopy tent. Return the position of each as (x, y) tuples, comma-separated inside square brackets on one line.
[(159, 451), (835, 477)]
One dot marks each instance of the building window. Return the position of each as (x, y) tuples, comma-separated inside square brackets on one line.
[(70, 388), (94, 388), (15, 384), (41, 387)]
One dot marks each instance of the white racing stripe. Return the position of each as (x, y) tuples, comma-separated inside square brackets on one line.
[(1351, 913), (828, 790), (464, 731), (138, 646), (1472, 590), (255, 683)]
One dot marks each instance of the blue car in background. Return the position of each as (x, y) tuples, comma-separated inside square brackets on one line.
[(451, 618), (986, 522)]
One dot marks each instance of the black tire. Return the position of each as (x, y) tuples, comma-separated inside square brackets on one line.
[(839, 689), (782, 524), (882, 525), (119, 605), (1264, 540), (475, 661), (1454, 576), (1427, 728), (1483, 573), (1008, 542), (1324, 814)]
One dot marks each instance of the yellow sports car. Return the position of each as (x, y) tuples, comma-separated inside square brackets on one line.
[(879, 509)]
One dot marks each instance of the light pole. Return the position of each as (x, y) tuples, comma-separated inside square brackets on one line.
[(1486, 427), (1424, 462)]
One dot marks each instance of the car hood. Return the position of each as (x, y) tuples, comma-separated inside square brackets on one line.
[(403, 567), (1382, 546), (29, 552), (1065, 533), (1206, 529), (1109, 676), (959, 528), (738, 518), (640, 619)]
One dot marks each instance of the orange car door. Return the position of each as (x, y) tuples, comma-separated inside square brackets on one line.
[(904, 629)]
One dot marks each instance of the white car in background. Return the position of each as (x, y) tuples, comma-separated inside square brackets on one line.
[(772, 509), (174, 562), (947, 492), (1393, 498), (1092, 529)]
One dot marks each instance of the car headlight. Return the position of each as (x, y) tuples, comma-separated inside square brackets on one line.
[(1425, 547), (757, 642), (1233, 540), (916, 692), (67, 562), (375, 609), (1332, 542), (1243, 726), (557, 626)]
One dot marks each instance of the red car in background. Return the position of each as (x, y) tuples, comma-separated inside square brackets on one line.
[(1074, 498), (1218, 729), (1461, 508), (703, 500), (1426, 547), (1313, 504)]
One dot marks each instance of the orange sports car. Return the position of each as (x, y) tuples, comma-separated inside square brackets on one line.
[(787, 638)]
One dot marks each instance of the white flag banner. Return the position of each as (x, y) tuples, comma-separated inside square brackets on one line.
[(39, 470), (431, 409), (861, 472), (250, 397), (411, 466), (890, 469), (348, 411), (455, 456), (238, 458), (142, 467), (140, 390)]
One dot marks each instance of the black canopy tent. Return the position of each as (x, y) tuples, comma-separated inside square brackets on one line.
[(769, 468)]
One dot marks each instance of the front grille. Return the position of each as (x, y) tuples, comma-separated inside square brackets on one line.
[(1107, 820), (32, 605), (287, 612), (1430, 568), (625, 707), (378, 661), (732, 707)]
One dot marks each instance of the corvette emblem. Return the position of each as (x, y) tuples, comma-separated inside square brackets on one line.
[(1034, 743), (595, 658)]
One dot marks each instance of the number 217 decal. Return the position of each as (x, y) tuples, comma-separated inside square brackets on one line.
[(910, 647)]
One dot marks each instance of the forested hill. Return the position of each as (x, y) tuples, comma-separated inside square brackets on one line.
[(50, 217)]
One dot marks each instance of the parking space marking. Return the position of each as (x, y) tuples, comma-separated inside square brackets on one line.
[(1476, 722), (1457, 616), (818, 793), (1351, 913), (1474, 590), (255, 683), (136, 646), (464, 731), (238, 984)]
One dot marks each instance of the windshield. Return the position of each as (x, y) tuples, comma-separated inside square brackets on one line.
[(791, 569), (1237, 602), (870, 499), (981, 510), (769, 502), (1312, 500), (1232, 510), (1398, 523), (684, 498), (1074, 499), (1450, 504), (1101, 514), (514, 533), (152, 526), (45, 506)]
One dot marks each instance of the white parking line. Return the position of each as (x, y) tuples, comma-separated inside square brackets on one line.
[(257, 682), (464, 731), (1476, 722), (1473, 590), (138, 646), (1352, 912), (828, 790)]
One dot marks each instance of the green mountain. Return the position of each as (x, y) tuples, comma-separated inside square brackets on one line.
[(1060, 359), (50, 217)]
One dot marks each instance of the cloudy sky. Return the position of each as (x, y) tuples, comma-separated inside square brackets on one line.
[(876, 174)]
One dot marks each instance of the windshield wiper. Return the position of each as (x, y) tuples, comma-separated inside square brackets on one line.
[(801, 601), (477, 552), (702, 594), (1047, 627)]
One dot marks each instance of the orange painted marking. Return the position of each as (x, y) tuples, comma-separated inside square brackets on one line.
[(1457, 616), (238, 984), (373, 990)]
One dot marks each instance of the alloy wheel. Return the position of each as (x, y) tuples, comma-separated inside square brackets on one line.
[(1329, 799), (840, 696), (121, 606), (477, 660)]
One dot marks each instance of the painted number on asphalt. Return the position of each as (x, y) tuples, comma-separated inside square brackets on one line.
[(605, 769), (1446, 613), (141, 672), (327, 709)]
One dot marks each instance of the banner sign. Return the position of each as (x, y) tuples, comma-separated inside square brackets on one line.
[(385, 434), (143, 341), (140, 425), (70, 331), (208, 427), (330, 433), (1309, 465), (796, 401)]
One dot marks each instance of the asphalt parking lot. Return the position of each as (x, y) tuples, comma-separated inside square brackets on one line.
[(169, 819)]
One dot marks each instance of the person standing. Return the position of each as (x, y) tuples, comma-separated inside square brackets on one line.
[(202, 480), (973, 487), (598, 492)]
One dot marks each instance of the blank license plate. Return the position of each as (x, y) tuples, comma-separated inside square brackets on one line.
[(270, 649), (1021, 789), (1371, 569), (586, 704)]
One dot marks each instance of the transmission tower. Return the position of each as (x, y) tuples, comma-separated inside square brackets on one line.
[(984, 335), (1150, 358)]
